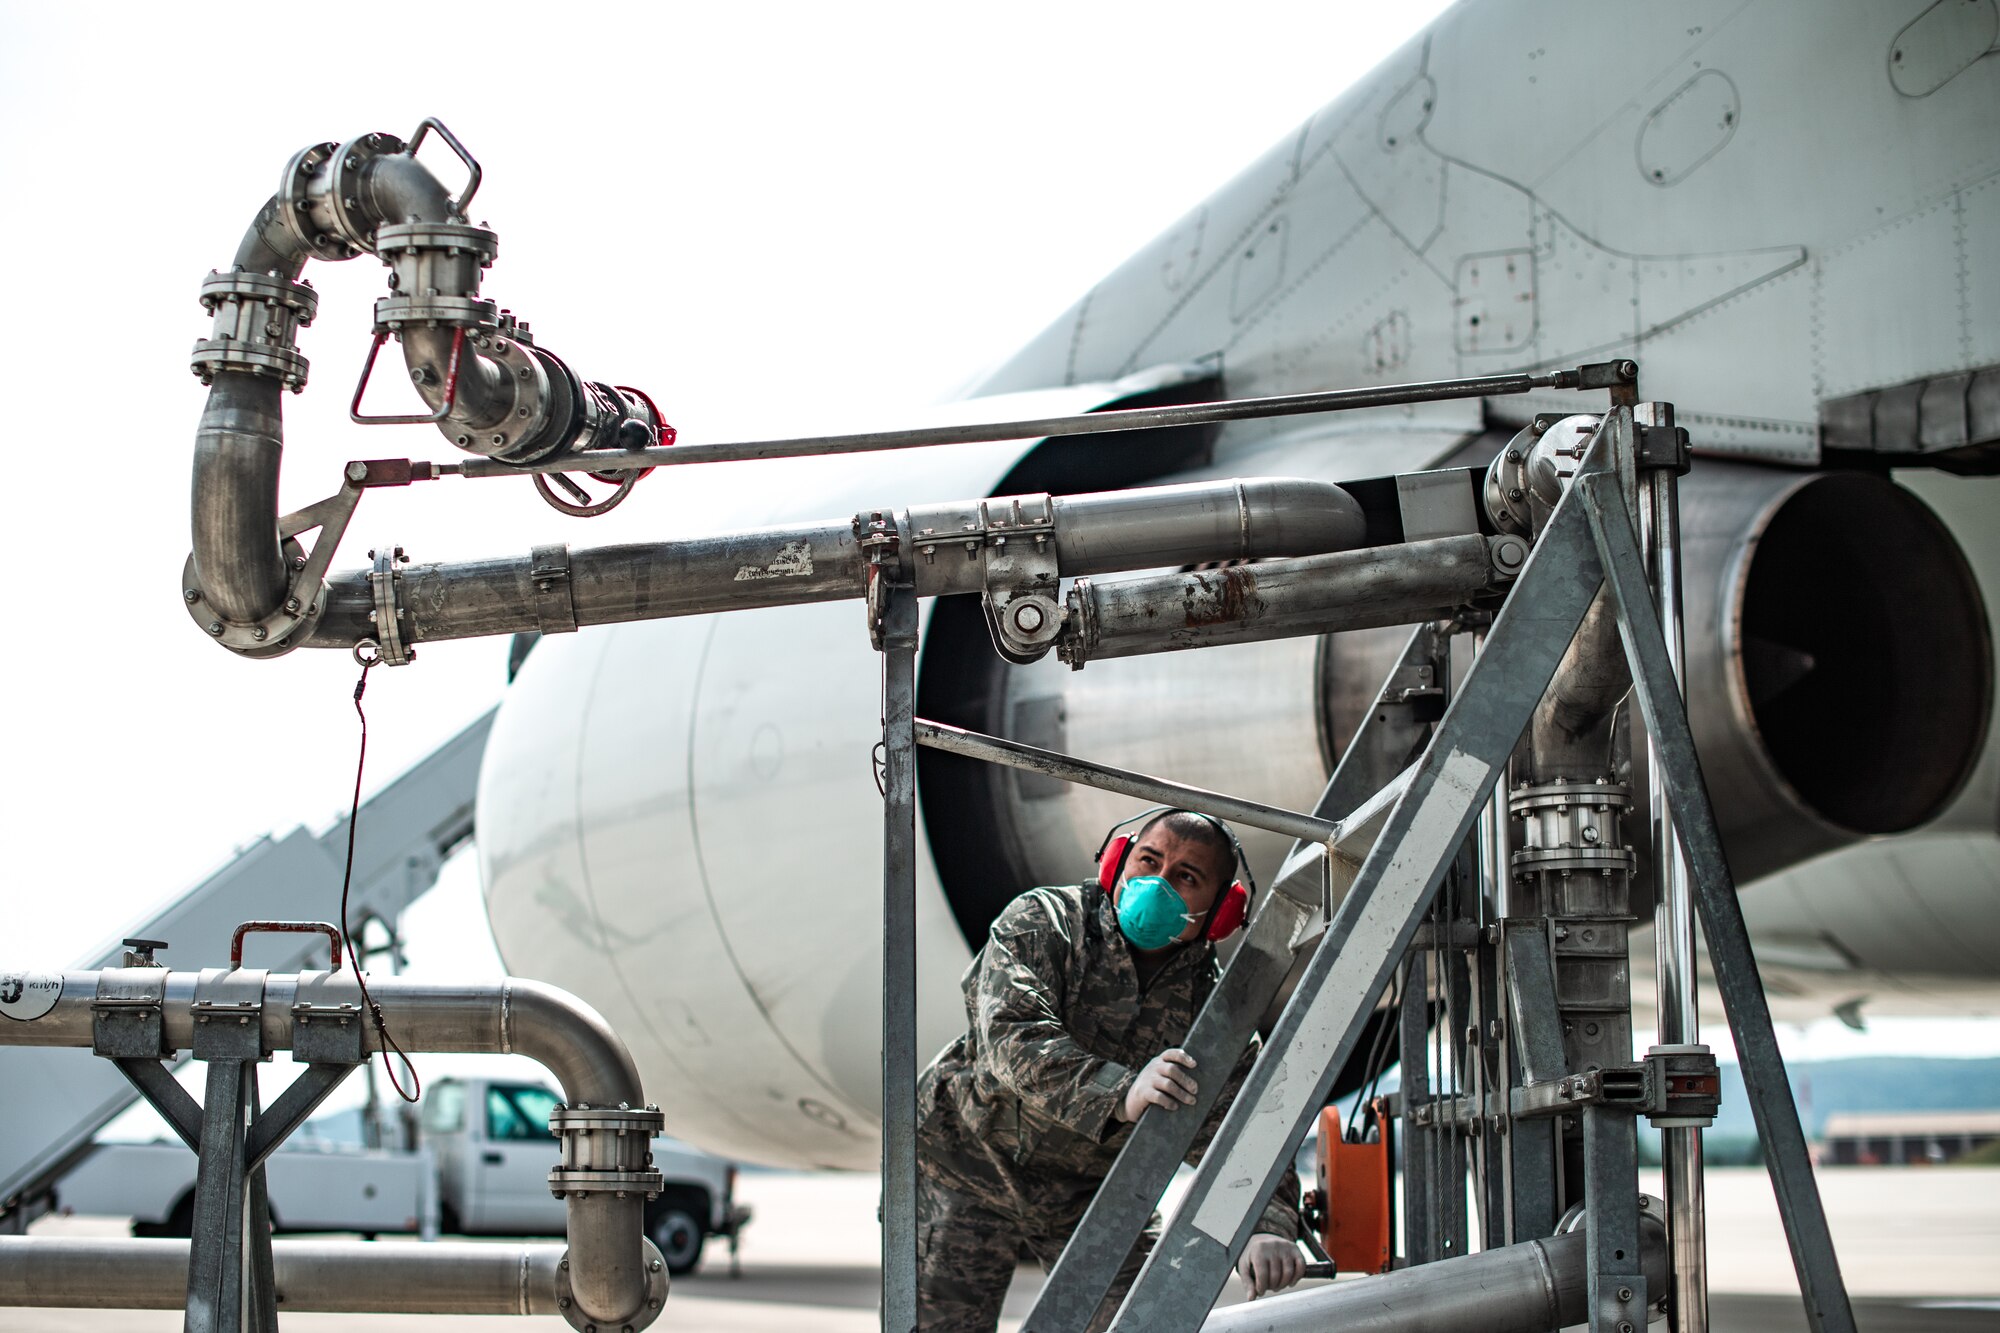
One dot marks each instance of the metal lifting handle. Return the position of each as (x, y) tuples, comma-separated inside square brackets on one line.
[(409, 418), (471, 163), (282, 928)]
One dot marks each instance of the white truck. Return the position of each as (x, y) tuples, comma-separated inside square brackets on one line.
[(481, 1168), (312, 1188), (493, 1148)]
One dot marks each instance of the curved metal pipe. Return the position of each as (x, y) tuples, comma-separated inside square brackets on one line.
[(237, 450), (610, 1265), (239, 559), (352, 1277), (1571, 730), (510, 1017)]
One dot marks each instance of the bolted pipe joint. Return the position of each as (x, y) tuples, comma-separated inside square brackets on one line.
[(613, 1276), (578, 1309)]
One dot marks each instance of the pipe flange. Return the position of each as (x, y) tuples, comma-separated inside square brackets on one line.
[(646, 1122), (566, 1180), (434, 275), (529, 417), (239, 284), (1506, 491), (450, 237), (1080, 630), (345, 172), (1573, 860), (274, 635), (605, 1150), (302, 205), (1557, 795), (394, 313), (287, 364), (657, 1284), (392, 648)]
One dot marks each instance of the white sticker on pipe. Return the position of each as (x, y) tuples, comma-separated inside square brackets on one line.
[(26, 996), (1238, 1179), (794, 560)]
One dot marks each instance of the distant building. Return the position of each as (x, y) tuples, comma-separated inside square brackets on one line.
[(1905, 1137)]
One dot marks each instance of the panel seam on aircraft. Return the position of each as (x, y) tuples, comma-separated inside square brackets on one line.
[(1292, 289), (1301, 166)]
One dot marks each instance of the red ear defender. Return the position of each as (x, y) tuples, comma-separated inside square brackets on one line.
[(1229, 913), (1111, 860)]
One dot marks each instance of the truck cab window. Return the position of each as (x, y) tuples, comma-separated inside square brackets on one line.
[(519, 1112), (444, 1109)]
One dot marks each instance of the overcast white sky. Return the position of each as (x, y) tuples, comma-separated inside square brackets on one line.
[(773, 217)]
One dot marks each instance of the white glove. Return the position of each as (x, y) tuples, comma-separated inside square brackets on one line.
[(1162, 1083)]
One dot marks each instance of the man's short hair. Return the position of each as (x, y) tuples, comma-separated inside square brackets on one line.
[(1195, 828)]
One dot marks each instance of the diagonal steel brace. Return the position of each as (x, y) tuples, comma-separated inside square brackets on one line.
[(1371, 930), (1729, 952), (1160, 1143)]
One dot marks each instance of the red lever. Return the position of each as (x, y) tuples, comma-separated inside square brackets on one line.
[(282, 928)]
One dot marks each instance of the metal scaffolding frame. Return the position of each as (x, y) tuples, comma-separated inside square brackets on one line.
[(1391, 835)]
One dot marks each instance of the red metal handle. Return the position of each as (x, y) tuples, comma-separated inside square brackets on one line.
[(283, 928), (408, 419)]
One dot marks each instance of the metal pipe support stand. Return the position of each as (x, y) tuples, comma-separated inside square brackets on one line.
[(138, 1016), (1536, 1096)]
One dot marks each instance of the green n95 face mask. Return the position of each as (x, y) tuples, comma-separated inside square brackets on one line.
[(1150, 913)]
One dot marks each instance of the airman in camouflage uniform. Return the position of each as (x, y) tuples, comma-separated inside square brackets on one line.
[(1021, 1117)]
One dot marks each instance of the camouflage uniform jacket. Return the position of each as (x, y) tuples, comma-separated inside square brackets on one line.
[(1020, 1112)]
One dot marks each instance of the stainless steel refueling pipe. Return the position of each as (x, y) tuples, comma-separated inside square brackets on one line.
[(333, 1277), (492, 391), (955, 547), (1678, 1007), (1526, 1288), (610, 1273), (1365, 589)]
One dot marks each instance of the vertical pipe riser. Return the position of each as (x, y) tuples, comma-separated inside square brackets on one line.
[(1677, 1001)]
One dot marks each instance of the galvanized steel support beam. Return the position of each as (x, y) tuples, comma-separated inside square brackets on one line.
[(1381, 748), (1084, 772), (1729, 951), (1618, 1296), (1371, 931), (899, 955)]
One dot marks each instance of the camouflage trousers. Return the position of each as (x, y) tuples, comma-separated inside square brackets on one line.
[(966, 1252)]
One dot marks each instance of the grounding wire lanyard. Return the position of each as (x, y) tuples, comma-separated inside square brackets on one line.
[(388, 1043)]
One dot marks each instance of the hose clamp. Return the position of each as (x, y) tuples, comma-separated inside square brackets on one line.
[(1018, 563), (555, 597), (391, 648), (1080, 627)]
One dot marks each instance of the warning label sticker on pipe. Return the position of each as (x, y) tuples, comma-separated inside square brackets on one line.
[(26, 996)]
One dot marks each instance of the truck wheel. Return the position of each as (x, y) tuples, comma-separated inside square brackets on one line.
[(676, 1227), (179, 1223)]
